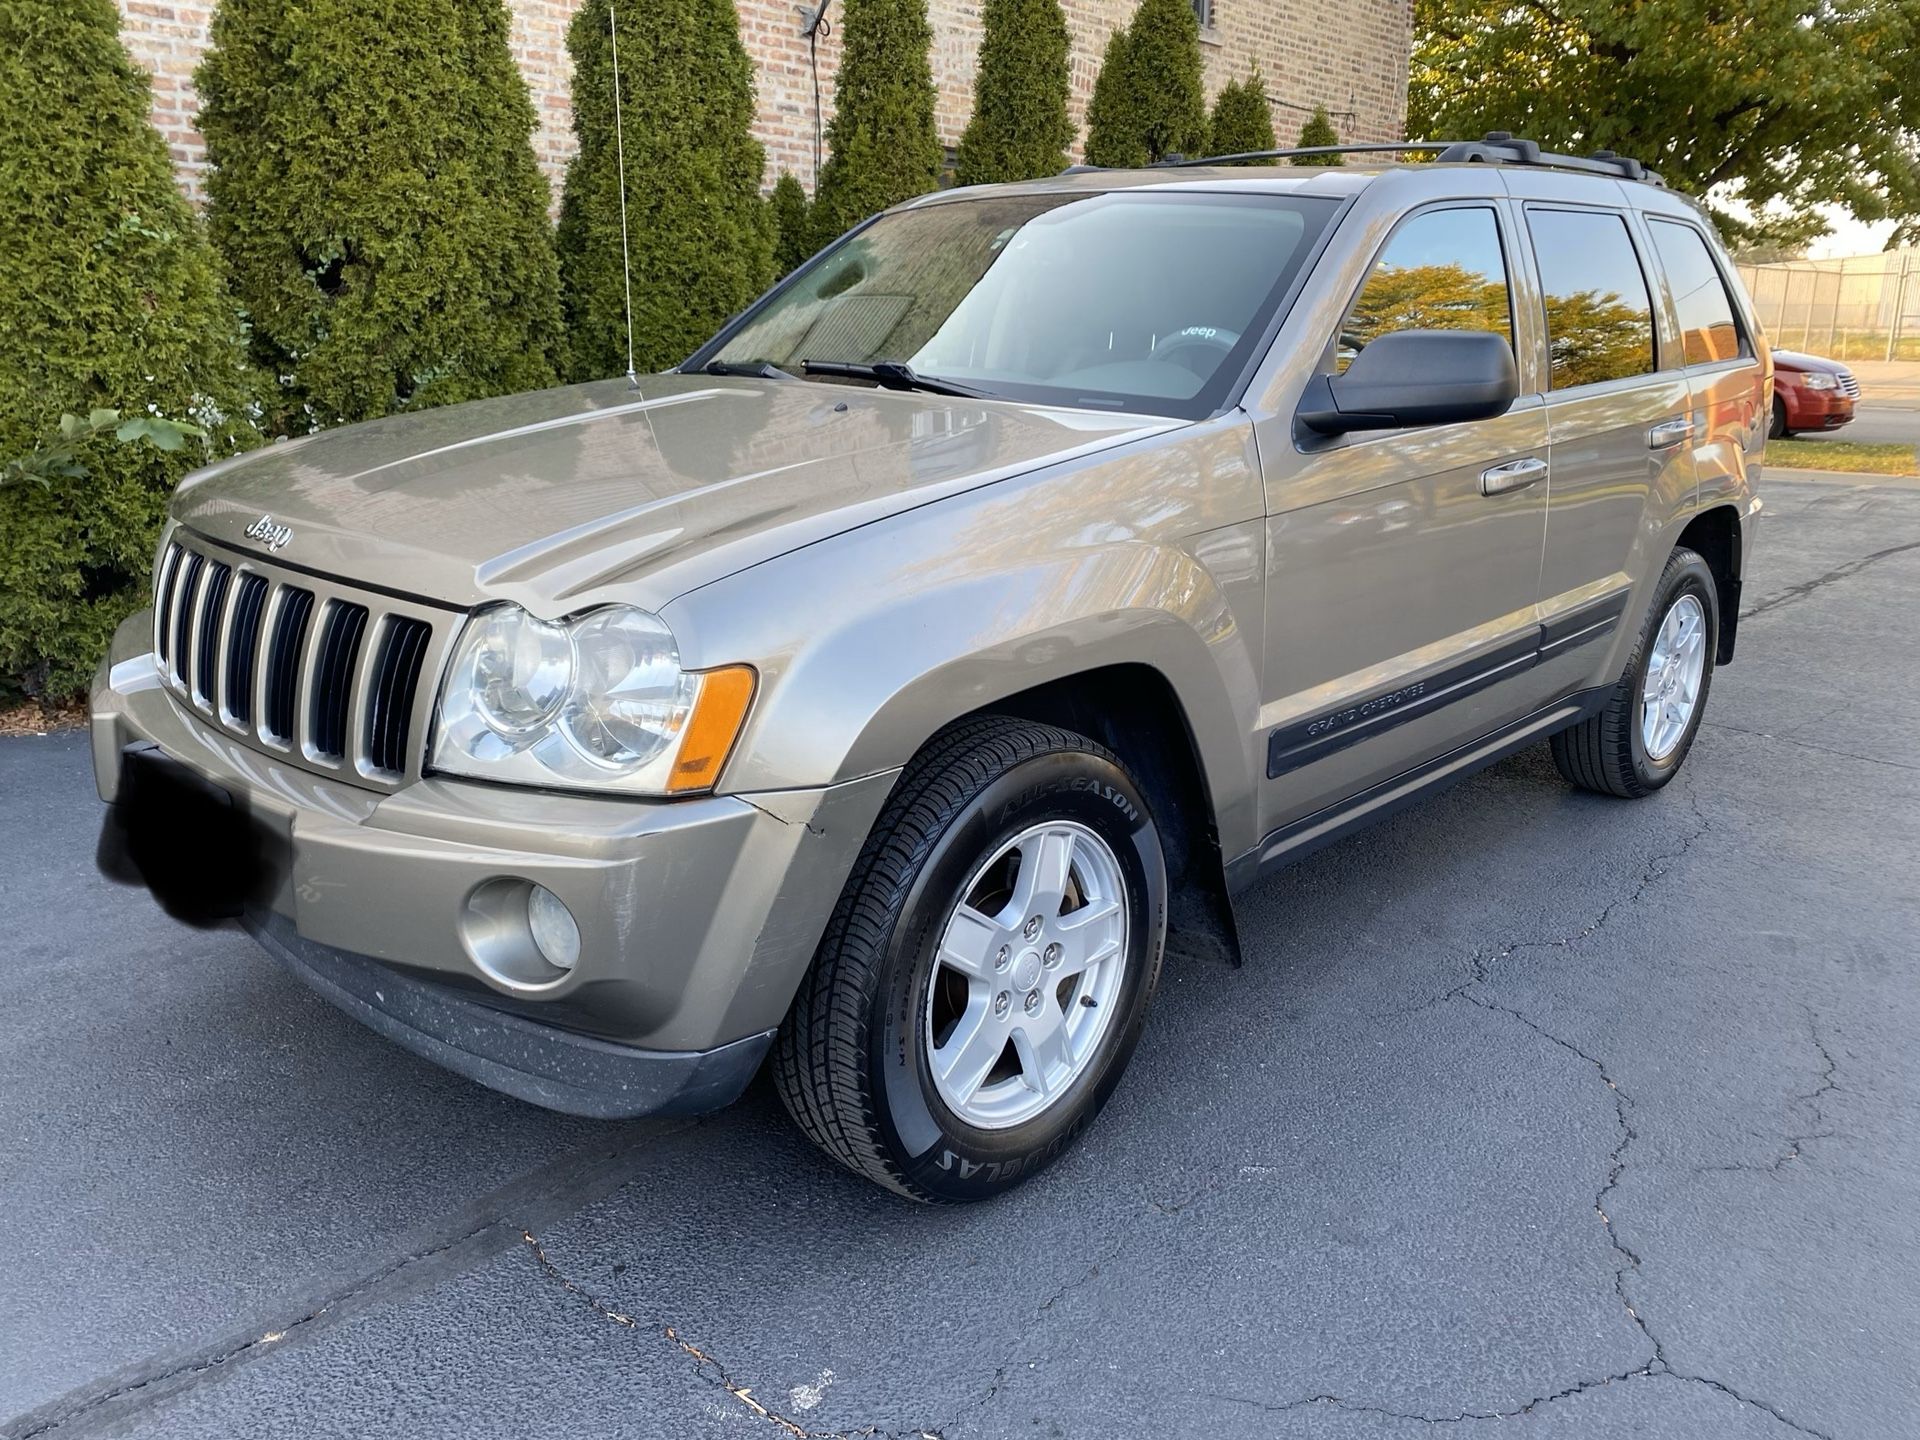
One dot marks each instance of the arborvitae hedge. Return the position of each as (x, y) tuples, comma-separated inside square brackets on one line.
[(882, 144), (1112, 137), (1163, 56), (112, 301), (792, 224), (375, 196), (1318, 131), (1019, 129), (1149, 100), (1242, 119), (701, 237)]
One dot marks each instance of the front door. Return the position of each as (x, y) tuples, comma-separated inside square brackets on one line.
[(1403, 565)]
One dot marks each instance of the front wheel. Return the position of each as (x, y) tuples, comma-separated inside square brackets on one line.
[(985, 975), (1638, 742)]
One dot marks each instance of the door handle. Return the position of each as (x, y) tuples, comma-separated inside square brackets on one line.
[(1514, 475), (1669, 433)]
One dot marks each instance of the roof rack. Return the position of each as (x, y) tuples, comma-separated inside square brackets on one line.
[(1496, 147)]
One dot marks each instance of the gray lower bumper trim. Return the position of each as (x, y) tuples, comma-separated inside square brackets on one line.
[(557, 1069)]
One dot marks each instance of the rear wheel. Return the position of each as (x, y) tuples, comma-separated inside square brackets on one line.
[(1639, 741), (986, 973)]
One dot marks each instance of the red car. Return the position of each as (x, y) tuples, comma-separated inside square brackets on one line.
[(1810, 393)]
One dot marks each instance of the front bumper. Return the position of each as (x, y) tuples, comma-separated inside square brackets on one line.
[(697, 918), (1817, 409)]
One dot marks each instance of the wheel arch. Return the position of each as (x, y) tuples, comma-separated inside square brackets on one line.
[(1714, 534)]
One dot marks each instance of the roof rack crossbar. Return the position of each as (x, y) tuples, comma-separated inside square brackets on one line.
[(1496, 147)]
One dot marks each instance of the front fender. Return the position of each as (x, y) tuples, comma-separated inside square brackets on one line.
[(870, 643)]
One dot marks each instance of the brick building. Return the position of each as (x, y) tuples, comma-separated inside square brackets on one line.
[(1352, 59)]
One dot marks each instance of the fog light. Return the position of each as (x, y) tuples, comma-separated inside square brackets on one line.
[(554, 930)]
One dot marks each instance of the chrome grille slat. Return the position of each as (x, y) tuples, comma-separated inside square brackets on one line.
[(181, 620), (207, 629), (242, 649), (337, 653), (1849, 386), (331, 678), (286, 663)]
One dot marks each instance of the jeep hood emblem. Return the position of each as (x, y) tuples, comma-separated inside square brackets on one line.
[(271, 535)]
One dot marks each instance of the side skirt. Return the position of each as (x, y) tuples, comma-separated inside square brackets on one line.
[(1300, 838)]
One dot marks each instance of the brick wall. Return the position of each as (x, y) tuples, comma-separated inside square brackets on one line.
[(1350, 56)]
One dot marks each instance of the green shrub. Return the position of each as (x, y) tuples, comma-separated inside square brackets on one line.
[(1242, 119), (1112, 138), (701, 237), (112, 302), (1318, 131), (1149, 101), (882, 144), (792, 224), (1019, 129), (375, 196)]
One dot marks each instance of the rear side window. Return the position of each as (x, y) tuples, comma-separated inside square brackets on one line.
[(1599, 314), (1442, 270), (1708, 331)]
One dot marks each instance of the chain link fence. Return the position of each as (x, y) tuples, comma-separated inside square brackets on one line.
[(1861, 307)]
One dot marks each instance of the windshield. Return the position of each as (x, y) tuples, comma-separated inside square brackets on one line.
[(1127, 301)]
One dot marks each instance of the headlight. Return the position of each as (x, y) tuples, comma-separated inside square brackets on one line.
[(1815, 380), (598, 702)]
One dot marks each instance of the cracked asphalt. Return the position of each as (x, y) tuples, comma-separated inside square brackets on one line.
[(1531, 1113)]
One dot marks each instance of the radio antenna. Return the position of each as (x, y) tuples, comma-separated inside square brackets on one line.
[(620, 153)]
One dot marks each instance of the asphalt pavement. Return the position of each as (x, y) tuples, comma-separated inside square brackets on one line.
[(1531, 1113), (1876, 425)]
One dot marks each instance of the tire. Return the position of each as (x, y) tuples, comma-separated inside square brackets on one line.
[(854, 1060), (1609, 753), (1778, 429)]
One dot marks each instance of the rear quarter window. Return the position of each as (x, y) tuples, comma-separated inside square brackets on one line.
[(1708, 329)]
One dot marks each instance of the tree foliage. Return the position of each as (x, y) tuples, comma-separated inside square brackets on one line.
[(1776, 105), (1112, 137), (1019, 129), (1318, 131), (701, 238), (1149, 100), (375, 196), (882, 144), (113, 307), (1242, 119), (792, 224)]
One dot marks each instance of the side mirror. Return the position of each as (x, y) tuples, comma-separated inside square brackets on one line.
[(1415, 377)]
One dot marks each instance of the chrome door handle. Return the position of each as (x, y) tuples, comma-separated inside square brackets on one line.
[(1514, 475), (1669, 433)]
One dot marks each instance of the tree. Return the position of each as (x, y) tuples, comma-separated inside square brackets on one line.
[(1019, 129), (792, 224), (882, 144), (1774, 106), (1318, 131), (375, 196), (1112, 138), (1149, 100), (113, 309), (1164, 70), (1242, 119), (700, 236)]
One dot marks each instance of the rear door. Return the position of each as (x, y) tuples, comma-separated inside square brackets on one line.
[(1402, 565), (1620, 433)]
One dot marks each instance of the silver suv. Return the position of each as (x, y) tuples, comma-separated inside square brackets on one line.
[(888, 688)]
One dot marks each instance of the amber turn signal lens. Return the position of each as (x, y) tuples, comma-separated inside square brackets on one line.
[(718, 714)]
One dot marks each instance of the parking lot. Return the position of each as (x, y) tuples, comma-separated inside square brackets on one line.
[(1530, 1112)]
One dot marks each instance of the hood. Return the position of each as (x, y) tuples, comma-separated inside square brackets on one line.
[(563, 497), (1800, 360)]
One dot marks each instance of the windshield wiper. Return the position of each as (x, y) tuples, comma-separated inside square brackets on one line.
[(892, 375), (753, 369)]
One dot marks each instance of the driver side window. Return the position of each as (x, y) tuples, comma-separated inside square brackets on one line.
[(1442, 270)]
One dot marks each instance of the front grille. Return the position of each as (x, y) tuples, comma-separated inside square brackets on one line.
[(1849, 386), (327, 675)]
